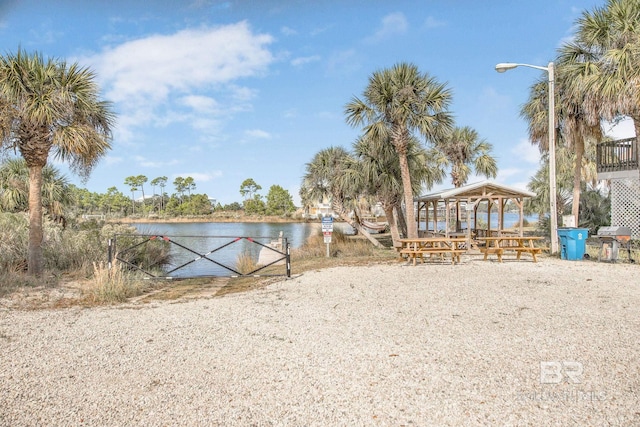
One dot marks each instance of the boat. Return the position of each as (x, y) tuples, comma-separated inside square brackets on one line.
[(374, 227)]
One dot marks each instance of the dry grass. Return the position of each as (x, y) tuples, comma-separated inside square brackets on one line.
[(113, 285), (103, 286), (16, 280), (246, 263)]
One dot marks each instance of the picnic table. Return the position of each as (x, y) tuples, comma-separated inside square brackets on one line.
[(500, 244), (414, 248)]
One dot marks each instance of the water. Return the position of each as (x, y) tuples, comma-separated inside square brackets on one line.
[(510, 220), (207, 238)]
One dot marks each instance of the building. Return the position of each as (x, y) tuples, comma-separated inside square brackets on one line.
[(617, 162)]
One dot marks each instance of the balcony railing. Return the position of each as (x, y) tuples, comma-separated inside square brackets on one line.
[(614, 156)]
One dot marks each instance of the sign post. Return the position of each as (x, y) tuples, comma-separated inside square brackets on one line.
[(327, 229)]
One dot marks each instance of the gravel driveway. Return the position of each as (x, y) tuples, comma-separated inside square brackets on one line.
[(481, 343)]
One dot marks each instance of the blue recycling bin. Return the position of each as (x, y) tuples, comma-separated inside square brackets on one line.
[(573, 242)]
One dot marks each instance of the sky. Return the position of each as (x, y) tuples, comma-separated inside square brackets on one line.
[(223, 91)]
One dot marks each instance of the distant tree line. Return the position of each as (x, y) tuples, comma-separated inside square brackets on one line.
[(60, 199)]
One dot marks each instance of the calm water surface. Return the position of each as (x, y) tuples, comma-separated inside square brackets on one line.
[(207, 238)]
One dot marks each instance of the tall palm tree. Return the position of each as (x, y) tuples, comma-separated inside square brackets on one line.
[(50, 107), (606, 61), (602, 67), (397, 103), (382, 177), (332, 174), (577, 129), (466, 152)]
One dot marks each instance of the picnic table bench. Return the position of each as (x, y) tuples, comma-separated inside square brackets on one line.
[(418, 248), (498, 245)]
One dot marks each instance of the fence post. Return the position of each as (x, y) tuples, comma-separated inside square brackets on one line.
[(288, 258), (109, 254)]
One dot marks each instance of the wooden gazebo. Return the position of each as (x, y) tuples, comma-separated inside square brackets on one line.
[(447, 207)]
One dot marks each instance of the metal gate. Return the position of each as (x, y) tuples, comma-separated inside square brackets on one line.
[(149, 253)]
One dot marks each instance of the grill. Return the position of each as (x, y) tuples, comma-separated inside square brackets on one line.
[(611, 240)]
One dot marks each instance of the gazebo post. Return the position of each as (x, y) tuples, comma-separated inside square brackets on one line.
[(500, 215), (446, 217)]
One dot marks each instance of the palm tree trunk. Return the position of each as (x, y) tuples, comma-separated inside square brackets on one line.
[(401, 219), (35, 259), (412, 227), (341, 211), (393, 224), (577, 180)]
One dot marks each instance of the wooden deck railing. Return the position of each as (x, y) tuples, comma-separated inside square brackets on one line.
[(621, 155)]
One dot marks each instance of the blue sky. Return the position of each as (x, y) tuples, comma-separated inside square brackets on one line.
[(227, 90)]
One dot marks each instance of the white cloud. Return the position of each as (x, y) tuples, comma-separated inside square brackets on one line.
[(144, 162), (304, 60), (143, 76), (112, 160), (198, 176), (505, 173), (527, 152), (205, 104), (258, 134), (150, 68), (290, 114), (288, 31), (432, 22), (343, 62), (515, 177), (392, 24)]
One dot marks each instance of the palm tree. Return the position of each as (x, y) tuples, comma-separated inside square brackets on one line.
[(14, 186), (397, 103), (465, 153), (49, 106), (539, 184), (333, 174), (605, 60), (382, 177), (576, 128), (601, 69)]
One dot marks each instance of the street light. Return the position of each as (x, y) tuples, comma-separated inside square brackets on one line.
[(501, 68)]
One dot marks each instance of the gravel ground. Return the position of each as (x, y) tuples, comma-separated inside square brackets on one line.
[(481, 343)]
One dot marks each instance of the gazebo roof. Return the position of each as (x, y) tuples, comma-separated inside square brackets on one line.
[(484, 189)]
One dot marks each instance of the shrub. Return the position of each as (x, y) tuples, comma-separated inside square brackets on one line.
[(113, 285), (245, 263)]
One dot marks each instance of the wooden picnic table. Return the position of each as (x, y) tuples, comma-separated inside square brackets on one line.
[(499, 244), (414, 248)]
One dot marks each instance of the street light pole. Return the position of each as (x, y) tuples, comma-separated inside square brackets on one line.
[(553, 214)]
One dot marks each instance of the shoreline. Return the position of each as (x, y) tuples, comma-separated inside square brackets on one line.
[(247, 219)]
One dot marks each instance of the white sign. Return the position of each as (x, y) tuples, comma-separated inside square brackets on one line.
[(327, 224), (327, 238)]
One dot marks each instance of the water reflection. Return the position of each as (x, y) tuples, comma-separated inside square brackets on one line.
[(212, 249)]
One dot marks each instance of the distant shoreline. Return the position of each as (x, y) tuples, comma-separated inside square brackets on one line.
[(249, 219)]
